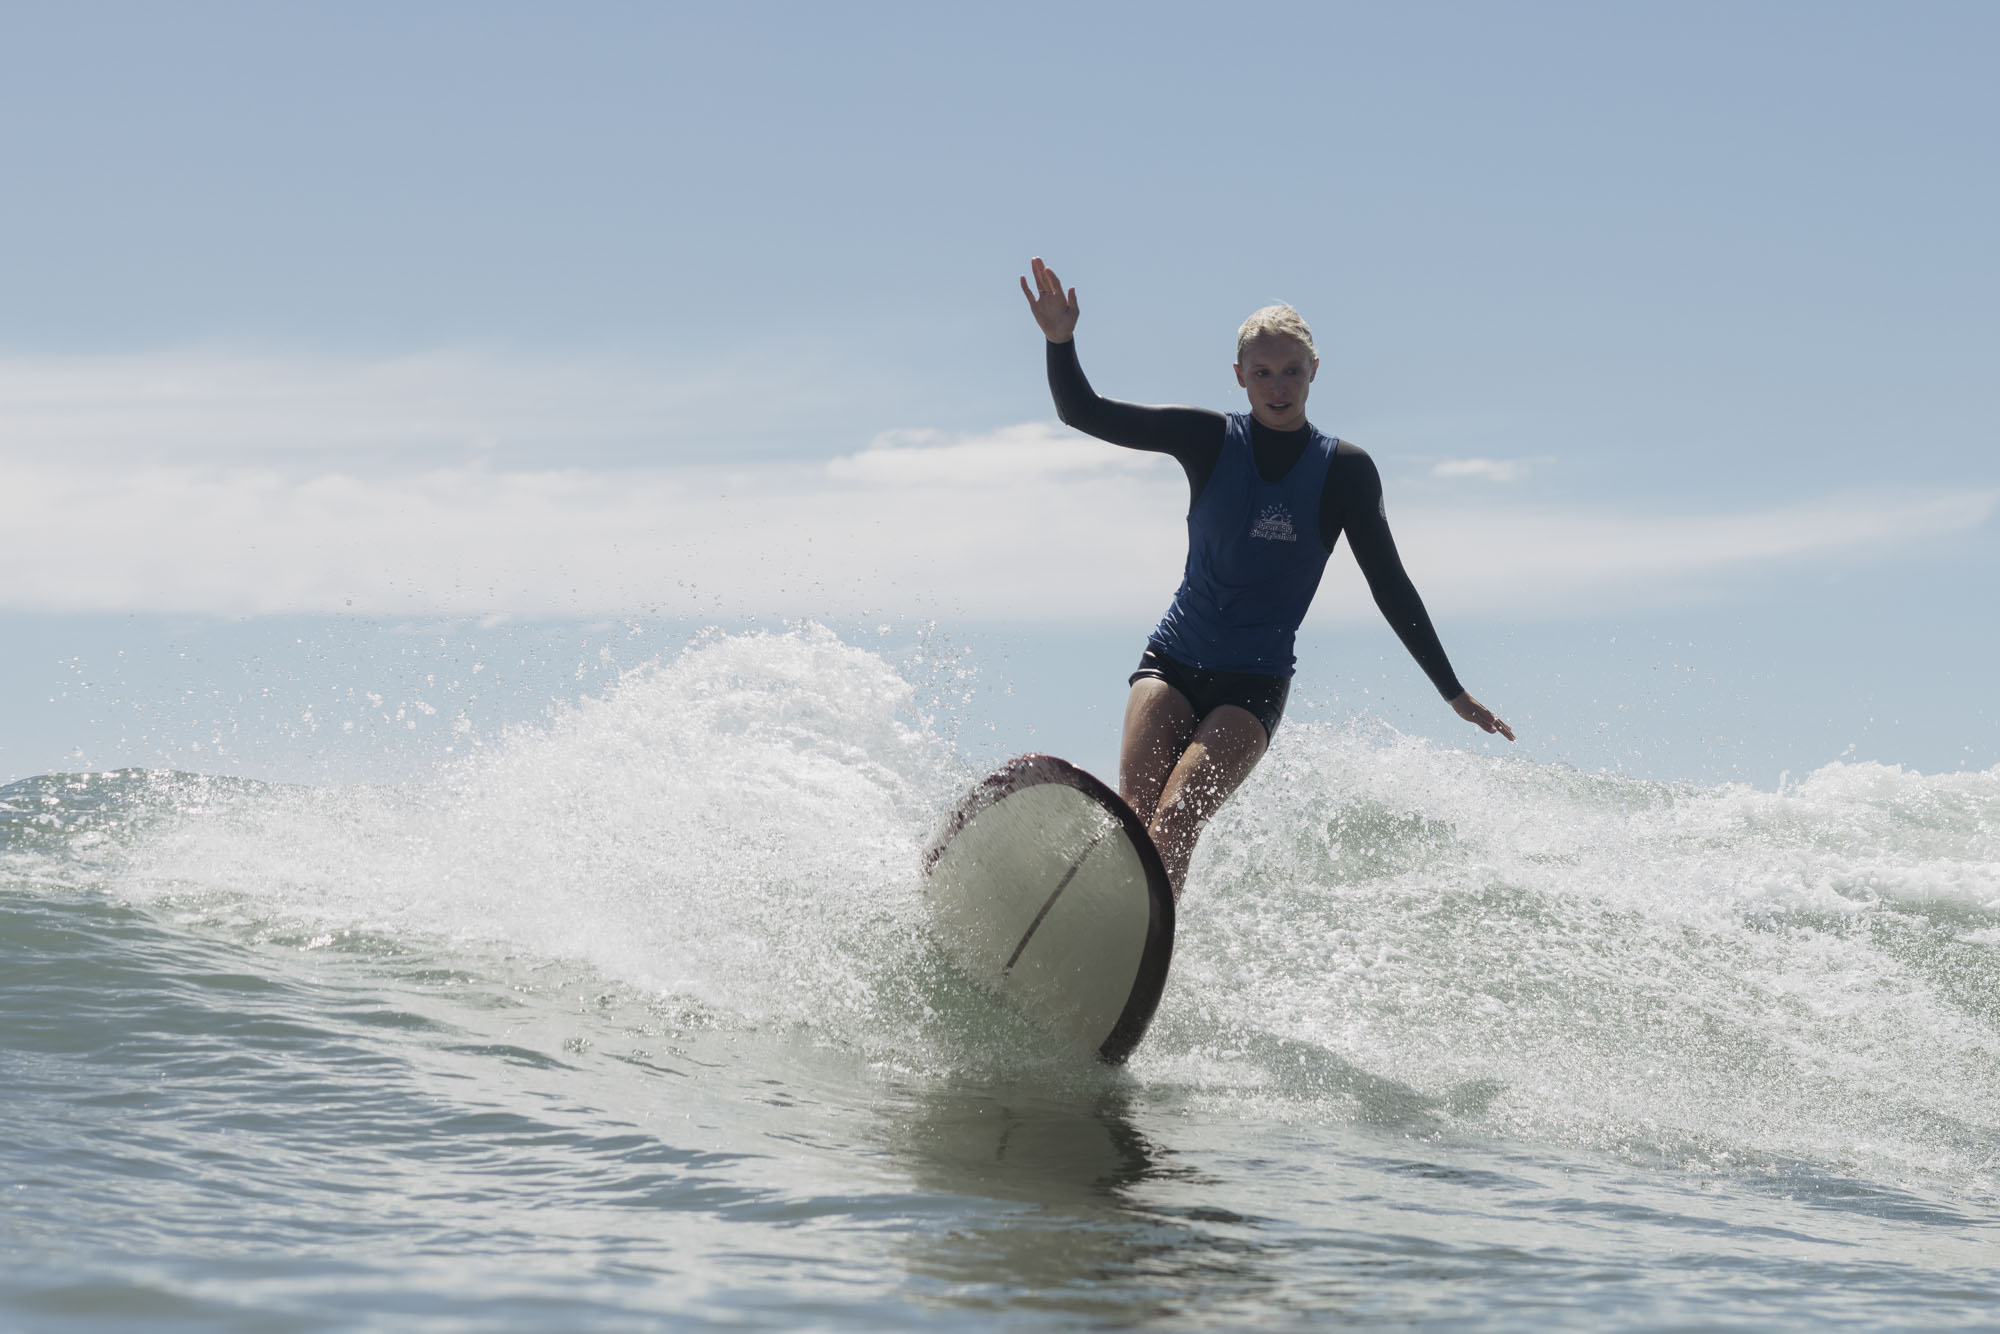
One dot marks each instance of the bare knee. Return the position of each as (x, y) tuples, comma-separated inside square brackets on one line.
[(1225, 748), (1186, 806)]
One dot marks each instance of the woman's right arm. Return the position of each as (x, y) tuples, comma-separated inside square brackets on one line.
[(1193, 436)]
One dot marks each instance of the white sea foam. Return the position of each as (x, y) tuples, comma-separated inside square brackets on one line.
[(1377, 927), (1628, 962), (734, 826)]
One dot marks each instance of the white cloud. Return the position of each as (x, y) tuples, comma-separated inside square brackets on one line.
[(776, 538), (301, 412), (1542, 561), (235, 512), (1491, 470), (209, 403), (1009, 456), (788, 538)]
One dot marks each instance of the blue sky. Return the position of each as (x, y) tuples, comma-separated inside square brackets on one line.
[(1677, 316)]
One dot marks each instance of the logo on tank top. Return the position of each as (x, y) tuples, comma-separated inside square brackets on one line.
[(1274, 524)]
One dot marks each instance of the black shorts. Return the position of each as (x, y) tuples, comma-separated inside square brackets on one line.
[(1264, 696)]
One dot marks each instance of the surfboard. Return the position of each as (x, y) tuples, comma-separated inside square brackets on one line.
[(1048, 891)]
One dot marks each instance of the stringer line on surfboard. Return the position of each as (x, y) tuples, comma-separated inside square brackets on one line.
[(1054, 894)]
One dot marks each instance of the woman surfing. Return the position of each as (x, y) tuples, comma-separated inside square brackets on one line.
[(1269, 495)]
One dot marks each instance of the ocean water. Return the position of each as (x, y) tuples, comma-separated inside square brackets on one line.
[(629, 1020)]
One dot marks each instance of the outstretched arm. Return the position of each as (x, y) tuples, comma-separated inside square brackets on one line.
[(1367, 523), (1192, 436)]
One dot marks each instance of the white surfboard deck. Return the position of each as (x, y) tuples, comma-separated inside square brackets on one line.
[(1046, 888)]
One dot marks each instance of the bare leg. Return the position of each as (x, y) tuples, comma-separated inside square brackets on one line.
[(1224, 749), (1159, 722), (1159, 727)]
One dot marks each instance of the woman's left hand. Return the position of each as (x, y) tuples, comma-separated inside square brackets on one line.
[(1479, 715)]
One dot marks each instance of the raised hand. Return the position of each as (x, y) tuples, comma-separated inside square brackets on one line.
[(1479, 715), (1055, 312)]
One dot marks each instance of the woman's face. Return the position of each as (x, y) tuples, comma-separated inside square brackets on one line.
[(1278, 372)]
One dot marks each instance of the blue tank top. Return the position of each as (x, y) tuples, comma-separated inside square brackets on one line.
[(1254, 561)]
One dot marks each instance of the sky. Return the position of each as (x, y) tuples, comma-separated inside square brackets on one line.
[(1672, 328)]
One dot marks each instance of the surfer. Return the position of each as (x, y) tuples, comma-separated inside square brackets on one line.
[(1269, 494)]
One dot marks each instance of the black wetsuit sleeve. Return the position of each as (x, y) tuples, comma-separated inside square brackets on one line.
[(1353, 500), (1192, 436)]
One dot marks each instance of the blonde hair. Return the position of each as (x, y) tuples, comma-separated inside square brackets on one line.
[(1279, 321)]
